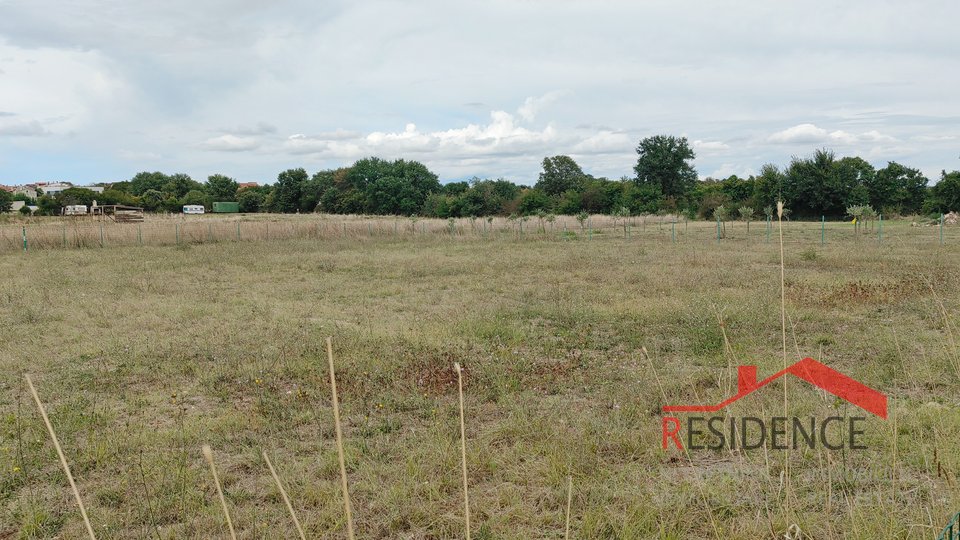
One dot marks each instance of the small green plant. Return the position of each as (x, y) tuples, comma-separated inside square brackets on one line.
[(722, 214), (808, 255), (746, 214), (541, 217), (620, 215), (582, 217)]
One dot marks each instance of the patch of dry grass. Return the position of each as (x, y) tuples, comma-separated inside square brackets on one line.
[(147, 353)]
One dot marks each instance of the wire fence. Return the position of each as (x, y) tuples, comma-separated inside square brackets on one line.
[(84, 233)]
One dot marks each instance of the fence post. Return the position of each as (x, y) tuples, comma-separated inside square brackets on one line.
[(24, 231), (673, 231), (880, 230), (140, 234), (101, 235), (718, 230), (768, 229), (822, 232), (941, 228), (177, 225), (64, 232)]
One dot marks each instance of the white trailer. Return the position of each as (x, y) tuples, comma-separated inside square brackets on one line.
[(193, 209), (75, 210)]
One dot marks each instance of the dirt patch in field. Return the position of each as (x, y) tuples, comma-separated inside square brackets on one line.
[(435, 375), (901, 288)]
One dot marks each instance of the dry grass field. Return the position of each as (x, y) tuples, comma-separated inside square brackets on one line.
[(144, 354)]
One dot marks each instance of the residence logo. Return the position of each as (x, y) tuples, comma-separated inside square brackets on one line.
[(750, 432)]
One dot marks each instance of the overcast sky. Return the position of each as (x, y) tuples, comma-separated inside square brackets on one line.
[(97, 90)]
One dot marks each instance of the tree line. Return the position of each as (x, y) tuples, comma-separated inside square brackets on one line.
[(663, 181)]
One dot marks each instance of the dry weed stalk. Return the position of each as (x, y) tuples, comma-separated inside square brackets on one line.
[(208, 454), (283, 493), (63, 460), (569, 503), (463, 451), (783, 332), (340, 453)]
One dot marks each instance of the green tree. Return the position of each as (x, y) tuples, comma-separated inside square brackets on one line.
[(222, 188), (768, 188), (196, 196), (560, 173), (47, 206), (152, 200), (899, 189), (6, 201), (113, 196), (664, 161), (945, 195), (532, 200), (145, 181), (180, 184), (287, 191), (75, 195), (250, 200)]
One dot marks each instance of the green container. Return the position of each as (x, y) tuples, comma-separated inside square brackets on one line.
[(226, 207)]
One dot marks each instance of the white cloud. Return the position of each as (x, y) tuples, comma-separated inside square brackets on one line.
[(811, 134), (532, 105), (503, 135), (230, 143), (709, 146)]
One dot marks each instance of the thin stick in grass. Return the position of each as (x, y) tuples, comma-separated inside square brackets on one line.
[(208, 454), (283, 492), (336, 418), (463, 451), (783, 331), (63, 460), (569, 503)]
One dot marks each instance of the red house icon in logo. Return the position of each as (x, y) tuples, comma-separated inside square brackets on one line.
[(809, 370)]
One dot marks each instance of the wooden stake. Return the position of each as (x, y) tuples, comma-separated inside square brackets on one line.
[(208, 454), (463, 451), (336, 418), (283, 493), (63, 460), (569, 502)]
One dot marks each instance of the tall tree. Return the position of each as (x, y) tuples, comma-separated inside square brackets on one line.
[(664, 161), (896, 188), (6, 201), (146, 181), (945, 195), (222, 188), (559, 174), (287, 191), (180, 184)]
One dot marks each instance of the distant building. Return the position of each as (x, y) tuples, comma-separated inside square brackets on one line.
[(50, 188), (244, 185), (17, 205), (29, 190)]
